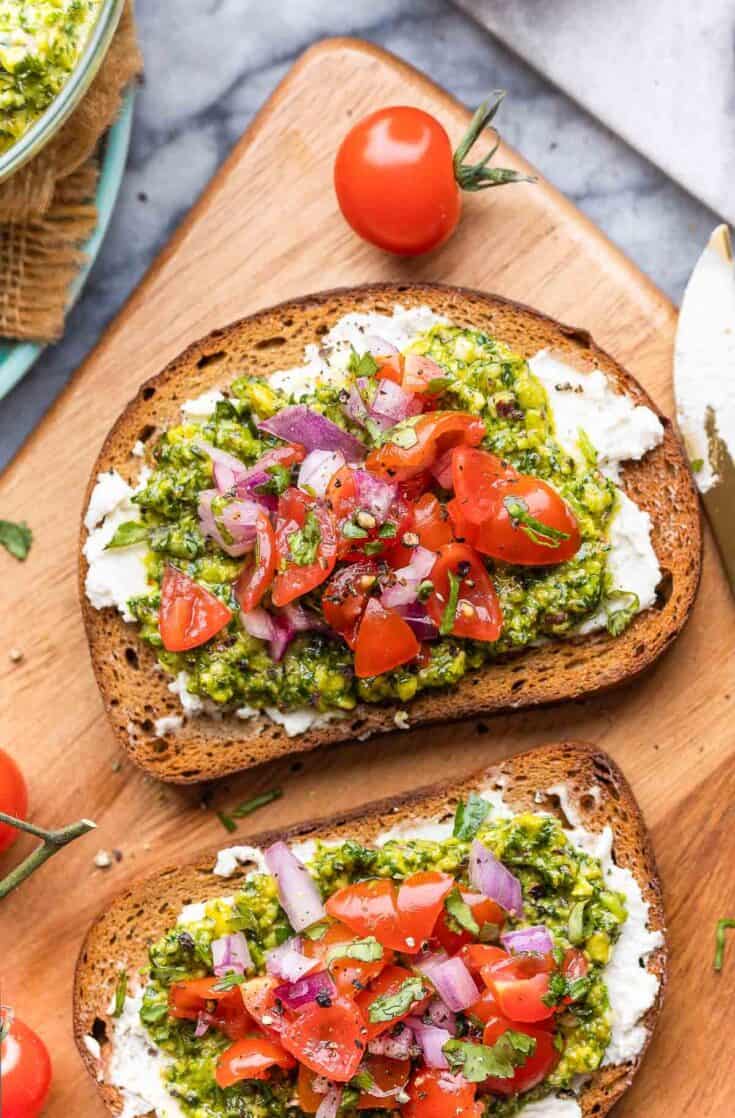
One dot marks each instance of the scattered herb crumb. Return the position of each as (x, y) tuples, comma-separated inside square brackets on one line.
[(722, 926), (250, 806), (15, 655), (227, 822), (121, 992), (103, 859), (16, 538)]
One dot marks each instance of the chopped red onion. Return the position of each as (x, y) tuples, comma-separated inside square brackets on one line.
[(423, 368), (313, 431), (355, 407), (279, 629), (259, 623), (204, 1020), (300, 620), (373, 494), (239, 518), (227, 469), (442, 469), (392, 403), (330, 1104), (306, 989), (431, 1040), (428, 961), (398, 1044), (405, 588), (257, 476), (491, 878), (416, 617), (318, 469), (441, 1016), (231, 955), (454, 984), (288, 962), (297, 891), (535, 940), (209, 527)]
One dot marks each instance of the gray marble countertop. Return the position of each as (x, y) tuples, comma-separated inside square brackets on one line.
[(209, 67)]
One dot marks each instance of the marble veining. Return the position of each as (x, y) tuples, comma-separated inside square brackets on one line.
[(211, 63)]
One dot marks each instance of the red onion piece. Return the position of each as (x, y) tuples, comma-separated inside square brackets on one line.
[(535, 940), (259, 623), (283, 634), (429, 961), (423, 368), (280, 628), (204, 1020), (306, 989), (227, 469), (209, 527), (288, 962), (230, 954), (313, 431), (442, 469), (415, 616), (298, 893), (398, 1044), (373, 494), (329, 1105), (239, 518), (405, 588), (454, 984), (318, 469), (392, 403), (431, 1040), (300, 620), (490, 877), (440, 1015)]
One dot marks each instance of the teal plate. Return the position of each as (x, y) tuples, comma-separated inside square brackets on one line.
[(16, 358)]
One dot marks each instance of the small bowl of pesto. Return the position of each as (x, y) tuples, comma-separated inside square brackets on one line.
[(50, 51)]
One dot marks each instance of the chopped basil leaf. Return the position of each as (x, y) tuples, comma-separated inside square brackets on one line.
[(365, 366), (316, 931), (280, 479), (229, 981), (722, 926), (469, 816), (303, 545), (374, 547), (153, 1014), (438, 384), (16, 538), (249, 806), (388, 531), (618, 620), (363, 1081), (121, 992), (478, 1061), (561, 987), (402, 435), (353, 531), (132, 531), (425, 589), (450, 610), (461, 912), (535, 529), (389, 1006), (367, 950)]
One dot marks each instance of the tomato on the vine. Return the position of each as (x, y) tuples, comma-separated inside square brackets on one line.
[(25, 1069), (13, 798), (189, 614), (399, 184)]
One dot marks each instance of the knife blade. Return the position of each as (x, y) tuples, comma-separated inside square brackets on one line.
[(704, 385)]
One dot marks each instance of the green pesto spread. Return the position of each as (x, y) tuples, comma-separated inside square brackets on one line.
[(483, 377), (563, 888), (40, 44)]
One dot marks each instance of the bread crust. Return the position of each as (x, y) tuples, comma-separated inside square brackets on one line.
[(120, 936), (134, 690)]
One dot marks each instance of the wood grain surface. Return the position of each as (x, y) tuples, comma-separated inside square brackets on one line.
[(267, 229)]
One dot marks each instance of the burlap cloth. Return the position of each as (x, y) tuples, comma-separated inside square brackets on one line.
[(47, 208)]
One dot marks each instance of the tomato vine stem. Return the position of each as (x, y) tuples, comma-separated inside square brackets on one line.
[(479, 176), (53, 842)]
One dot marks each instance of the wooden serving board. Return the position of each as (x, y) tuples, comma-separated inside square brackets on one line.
[(265, 230)]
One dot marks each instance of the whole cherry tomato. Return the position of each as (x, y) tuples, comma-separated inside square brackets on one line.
[(399, 184), (13, 798), (25, 1069)]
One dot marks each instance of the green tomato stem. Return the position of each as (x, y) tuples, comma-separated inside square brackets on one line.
[(53, 841), (479, 176)]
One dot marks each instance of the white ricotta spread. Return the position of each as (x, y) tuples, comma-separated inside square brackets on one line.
[(135, 1066), (113, 577), (169, 724), (202, 406)]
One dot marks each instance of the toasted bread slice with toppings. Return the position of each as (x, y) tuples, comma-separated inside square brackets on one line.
[(569, 780), (136, 694)]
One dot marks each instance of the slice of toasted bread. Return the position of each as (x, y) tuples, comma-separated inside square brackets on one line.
[(136, 694), (596, 789)]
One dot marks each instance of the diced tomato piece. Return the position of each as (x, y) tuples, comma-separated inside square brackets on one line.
[(536, 1068), (224, 1009), (387, 1075), (369, 908), (520, 984), (257, 574), (389, 982), (420, 900), (429, 436), (342, 500), (477, 613), (258, 995), (350, 975), (253, 1057), (429, 520), (478, 955), (439, 1094), (189, 615), (384, 641), (484, 911), (345, 597), (297, 573), (329, 1040), (309, 1099), (419, 372), (390, 367)]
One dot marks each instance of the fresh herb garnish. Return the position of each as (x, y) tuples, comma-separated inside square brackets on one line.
[(618, 620), (227, 822), (575, 927), (450, 610), (388, 531), (461, 912), (367, 950), (249, 806), (153, 1014), (280, 479), (469, 816), (722, 926), (121, 993), (697, 464), (438, 384), (561, 987), (303, 545), (373, 547), (363, 1081), (229, 981), (365, 366), (585, 445), (501, 1060), (16, 538), (352, 531), (425, 589), (127, 534), (535, 529), (389, 1006)]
